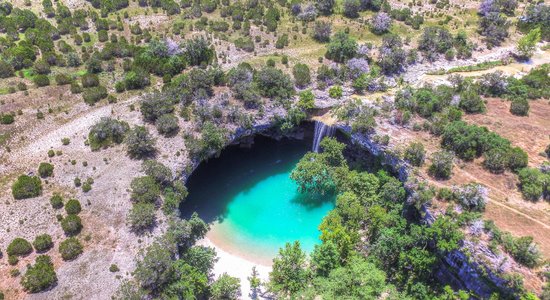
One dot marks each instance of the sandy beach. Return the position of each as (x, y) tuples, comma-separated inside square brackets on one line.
[(236, 266)]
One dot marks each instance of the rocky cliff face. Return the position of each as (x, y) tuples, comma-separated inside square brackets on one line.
[(470, 267)]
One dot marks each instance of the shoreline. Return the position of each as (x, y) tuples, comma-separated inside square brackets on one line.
[(237, 266)]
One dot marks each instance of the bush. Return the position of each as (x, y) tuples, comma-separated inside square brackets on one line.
[(142, 216), (158, 171), (62, 79), (155, 105), (40, 276), (273, 83), (89, 80), (41, 80), (56, 201), (335, 92), (43, 243), (26, 187), (301, 75), (442, 165), (471, 102), (282, 41), (519, 107), (415, 154), (140, 143), (352, 8), (94, 94), (72, 207), (45, 169), (167, 124), (145, 189), (70, 248), (6, 119), (392, 57), (517, 158), (106, 132), (135, 80), (381, 23), (72, 225), (19, 247), (496, 160), (341, 47), (322, 31), (226, 287), (534, 184), (472, 196)]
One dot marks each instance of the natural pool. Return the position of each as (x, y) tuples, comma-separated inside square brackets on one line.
[(250, 201)]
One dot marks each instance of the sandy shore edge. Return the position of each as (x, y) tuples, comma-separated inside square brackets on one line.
[(236, 266)]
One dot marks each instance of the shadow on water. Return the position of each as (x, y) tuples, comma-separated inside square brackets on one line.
[(312, 201), (217, 181)]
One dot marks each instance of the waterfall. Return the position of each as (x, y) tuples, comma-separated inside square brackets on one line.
[(321, 130)]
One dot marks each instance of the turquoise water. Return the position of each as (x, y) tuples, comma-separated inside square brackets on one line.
[(252, 204)]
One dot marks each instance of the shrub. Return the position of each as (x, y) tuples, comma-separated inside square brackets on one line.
[(43, 243), (142, 216), (282, 41), (89, 80), (519, 106), (534, 184), (381, 23), (273, 83), (145, 189), (351, 8), (62, 79), (335, 92), (391, 56), (226, 287), (547, 151), (72, 225), (7, 119), (341, 47), (523, 250), (471, 102), (357, 67), (517, 158), (472, 196), (41, 80), (106, 132), (140, 143), (19, 247), (155, 105), (158, 171), (135, 80), (26, 187), (496, 160), (70, 248), (301, 75), (56, 201), (113, 268), (415, 154), (40, 276), (494, 27), (94, 94), (73, 207), (322, 31), (45, 169), (167, 124), (442, 165)]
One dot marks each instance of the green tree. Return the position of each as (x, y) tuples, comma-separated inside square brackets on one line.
[(526, 45), (302, 76), (290, 273), (225, 288), (325, 258), (70, 248)]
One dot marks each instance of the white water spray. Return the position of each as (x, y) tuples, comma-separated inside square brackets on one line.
[(321, 130)]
